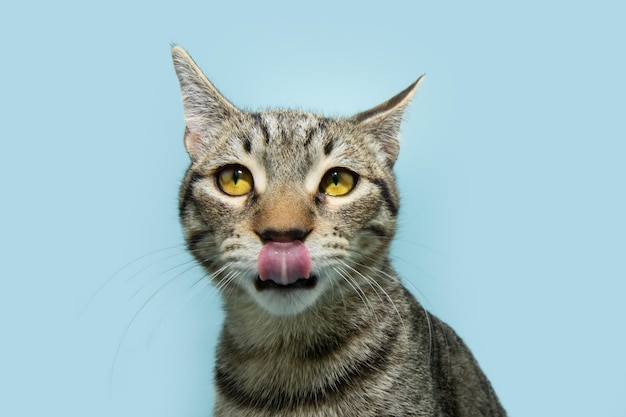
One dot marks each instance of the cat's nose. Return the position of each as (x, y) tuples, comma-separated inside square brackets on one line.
[(287, 235)]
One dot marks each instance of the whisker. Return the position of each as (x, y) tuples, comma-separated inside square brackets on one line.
[(335, 288), (225, 281), (424, 310), (160, 260), (136, 292), (412, 265), (409, 283), (137, 314), (176, 305), (432, 250), (355, 286), (373, 282), (179, 301), (120, 270), (393, 277)]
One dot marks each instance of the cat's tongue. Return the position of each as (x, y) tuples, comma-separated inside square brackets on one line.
[(284, 262)]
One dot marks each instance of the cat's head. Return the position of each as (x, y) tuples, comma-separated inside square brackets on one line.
[(284, 207)]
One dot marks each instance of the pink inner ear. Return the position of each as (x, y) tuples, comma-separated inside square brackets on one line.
[(192, 141)]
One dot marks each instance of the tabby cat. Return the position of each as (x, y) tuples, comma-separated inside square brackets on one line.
[(292, 214)]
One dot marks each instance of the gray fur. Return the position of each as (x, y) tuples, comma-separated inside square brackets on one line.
[(358, 343)]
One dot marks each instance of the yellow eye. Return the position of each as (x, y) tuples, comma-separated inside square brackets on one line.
[(338, 181), (235, 180)]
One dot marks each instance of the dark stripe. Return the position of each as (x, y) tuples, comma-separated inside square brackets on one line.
[(441, 341), (199, 246), (187, 195), (331, 345), (328, 148), (357, 372), (309, 136), (193, 240), (319, 128), (384, 190), (259, 120), (377, 230), (282, 123), (247, 145)]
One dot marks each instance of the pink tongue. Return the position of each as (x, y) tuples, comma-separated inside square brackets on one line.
[(284, 262)]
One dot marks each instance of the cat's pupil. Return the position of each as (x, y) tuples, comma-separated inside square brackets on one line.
[(236, 174), (335, 177)]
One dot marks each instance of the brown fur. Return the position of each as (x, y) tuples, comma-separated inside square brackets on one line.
[(356, 343)]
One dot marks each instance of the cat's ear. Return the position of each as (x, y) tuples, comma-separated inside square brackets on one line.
[(205, 108), (384, 120)]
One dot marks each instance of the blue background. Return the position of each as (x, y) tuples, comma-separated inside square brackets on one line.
[(512, 173)]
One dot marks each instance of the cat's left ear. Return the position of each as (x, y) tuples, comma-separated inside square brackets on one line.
[(206, 109), (384, 120)]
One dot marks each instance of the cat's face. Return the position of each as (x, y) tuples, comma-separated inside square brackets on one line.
[(285, 207)]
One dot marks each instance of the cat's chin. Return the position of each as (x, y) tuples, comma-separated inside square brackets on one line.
[(287, 300)]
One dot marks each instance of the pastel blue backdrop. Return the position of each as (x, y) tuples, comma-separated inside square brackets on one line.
[(512, 175)]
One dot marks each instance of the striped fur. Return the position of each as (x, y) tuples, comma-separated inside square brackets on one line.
[(353, 343)]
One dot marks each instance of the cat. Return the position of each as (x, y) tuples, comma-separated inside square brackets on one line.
[(291, 214)]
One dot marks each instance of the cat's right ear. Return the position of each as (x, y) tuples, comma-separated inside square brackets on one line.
[(205, 108), (384, 120)]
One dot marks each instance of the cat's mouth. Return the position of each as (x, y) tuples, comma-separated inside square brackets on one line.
[(284, 266), (301, 283)]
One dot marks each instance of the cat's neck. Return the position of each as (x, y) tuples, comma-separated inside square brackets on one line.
[(332, 345)]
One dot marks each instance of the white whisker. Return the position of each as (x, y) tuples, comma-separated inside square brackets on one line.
[(372, 281), (355, 286), (128, 265), (192, 291)]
